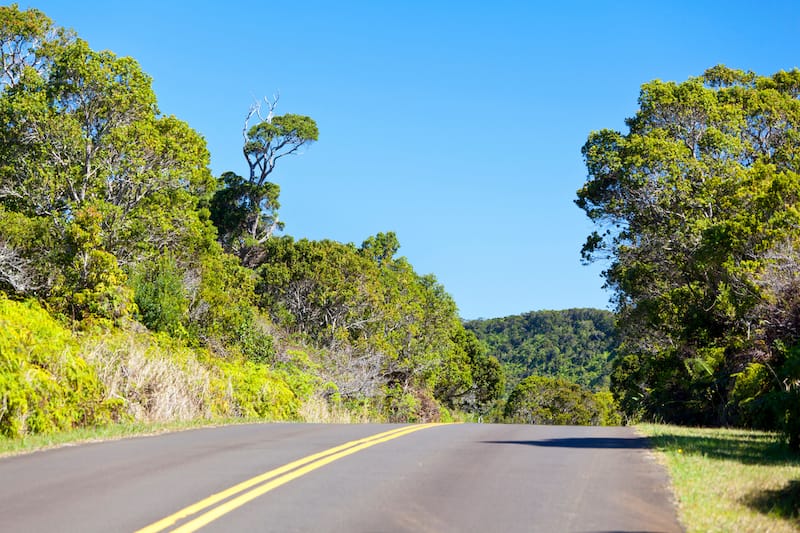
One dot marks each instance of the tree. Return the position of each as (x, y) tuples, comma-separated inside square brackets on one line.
[(553, 401), (23, 34), (470, 379), (381, 248), (692, 205), (245, 210), (160, 296), (382, 329), (92, 177)]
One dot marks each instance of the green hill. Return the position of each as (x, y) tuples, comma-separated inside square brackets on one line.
[(575, 344)]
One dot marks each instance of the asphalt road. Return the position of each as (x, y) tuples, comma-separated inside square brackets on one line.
[(445, 478)]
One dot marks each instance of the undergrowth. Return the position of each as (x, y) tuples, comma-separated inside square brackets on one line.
[(54, 380)]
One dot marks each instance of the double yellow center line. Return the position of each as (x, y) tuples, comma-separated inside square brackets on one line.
[(252, 488)]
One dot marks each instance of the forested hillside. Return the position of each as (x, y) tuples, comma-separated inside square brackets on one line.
[(134, 284), (576, 344)]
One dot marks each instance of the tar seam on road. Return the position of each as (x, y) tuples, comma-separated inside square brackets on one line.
[(254, 487)]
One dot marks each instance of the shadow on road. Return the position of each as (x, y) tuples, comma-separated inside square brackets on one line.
[(581, 442)]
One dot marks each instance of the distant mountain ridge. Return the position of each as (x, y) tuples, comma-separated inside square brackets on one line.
[(576, 344)]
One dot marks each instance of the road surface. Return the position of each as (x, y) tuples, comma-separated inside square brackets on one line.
[(349, 478)]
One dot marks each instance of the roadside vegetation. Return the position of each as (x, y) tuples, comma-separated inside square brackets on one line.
[(557, 401), (138, 288), (697, 210), (88, 434), (730, 479)]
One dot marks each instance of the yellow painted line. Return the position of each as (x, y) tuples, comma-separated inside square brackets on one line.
[(328, 456), (237, 502), (244, 485)]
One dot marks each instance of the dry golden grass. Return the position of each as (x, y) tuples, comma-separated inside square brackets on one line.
[(318, 410), (157, 386)]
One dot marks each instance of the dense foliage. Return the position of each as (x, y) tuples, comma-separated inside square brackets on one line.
[(574, 344), (53, 379), (698, 209), (245, 210), (133, 284), (44, 384), (382, 327), (556, 401), (93, 178)]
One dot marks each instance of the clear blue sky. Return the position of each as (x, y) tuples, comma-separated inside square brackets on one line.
[(458, 125)]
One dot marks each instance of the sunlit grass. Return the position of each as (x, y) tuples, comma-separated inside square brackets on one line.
[(730, 480)]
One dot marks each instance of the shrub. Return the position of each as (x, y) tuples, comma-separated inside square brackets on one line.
[(44, 385), (257, 392), (160, 298), (417, 405), (162, 379), (555, 401), (608, 408)]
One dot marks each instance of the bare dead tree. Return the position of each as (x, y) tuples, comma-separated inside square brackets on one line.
[(778, 315), (16, 271)]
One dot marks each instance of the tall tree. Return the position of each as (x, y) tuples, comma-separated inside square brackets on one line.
[(692, 205), (92, 177), (245, 210)]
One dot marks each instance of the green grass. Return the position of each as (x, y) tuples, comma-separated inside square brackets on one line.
[(730, 480), (32, 443)]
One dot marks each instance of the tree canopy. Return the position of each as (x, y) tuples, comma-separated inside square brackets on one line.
[(697, 210), (245, 210), (167, 288), (557, 401), (92, 177), (383, 326)]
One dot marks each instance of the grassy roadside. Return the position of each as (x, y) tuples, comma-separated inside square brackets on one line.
[(313, 410), (730, 480), (32, 443)]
